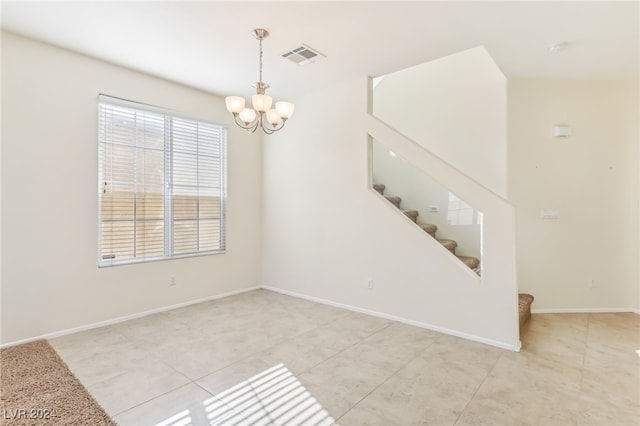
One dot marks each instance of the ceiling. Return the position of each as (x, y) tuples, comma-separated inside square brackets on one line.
[(208, 45)]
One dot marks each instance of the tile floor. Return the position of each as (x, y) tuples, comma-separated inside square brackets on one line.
[(265, 358)]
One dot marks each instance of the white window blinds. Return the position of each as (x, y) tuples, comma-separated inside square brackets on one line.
[(161, 183)]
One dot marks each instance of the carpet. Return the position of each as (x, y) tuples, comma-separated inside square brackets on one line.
[(37, 388)]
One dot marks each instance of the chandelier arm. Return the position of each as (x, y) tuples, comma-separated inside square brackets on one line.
[(251, 127), (271, 130), (265, 129)]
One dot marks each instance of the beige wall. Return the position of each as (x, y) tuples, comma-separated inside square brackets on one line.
[(50, 278), (455, 107), (591, 177)]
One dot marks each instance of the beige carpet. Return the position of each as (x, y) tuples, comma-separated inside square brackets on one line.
[(37, 388)]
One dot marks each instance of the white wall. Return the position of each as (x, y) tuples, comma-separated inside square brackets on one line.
[(591, 177), (50, 277), (326, 232), (455, 107)]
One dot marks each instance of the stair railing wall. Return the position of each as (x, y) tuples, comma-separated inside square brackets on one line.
[(496, 298), (454, 219)]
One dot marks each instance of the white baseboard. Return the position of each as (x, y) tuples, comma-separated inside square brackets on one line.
[(584, 310), (126, 318), (502, 345)]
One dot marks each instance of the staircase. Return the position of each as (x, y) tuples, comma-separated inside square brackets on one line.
[(524, 300), (472, 262)]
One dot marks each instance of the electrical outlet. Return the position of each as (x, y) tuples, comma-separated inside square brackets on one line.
[(172, 280), (370, 284)]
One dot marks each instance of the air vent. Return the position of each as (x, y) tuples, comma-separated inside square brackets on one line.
[(303, 55)]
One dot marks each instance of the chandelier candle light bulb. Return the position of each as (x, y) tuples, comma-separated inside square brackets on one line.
[(261, 115)]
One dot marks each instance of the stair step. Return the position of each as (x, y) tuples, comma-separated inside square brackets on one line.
[(471, 262), (449, 245), (429, 228), (411, 214), (379, 187), (394, 200), (524, 307)]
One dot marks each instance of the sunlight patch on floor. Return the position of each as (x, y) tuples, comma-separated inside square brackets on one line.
[(271, 397)]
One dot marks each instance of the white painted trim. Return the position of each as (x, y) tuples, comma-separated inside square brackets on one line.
[(584, 310), (126, 317), (502, 345)]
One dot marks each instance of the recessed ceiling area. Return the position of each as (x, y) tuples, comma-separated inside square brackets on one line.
[(208, 45)]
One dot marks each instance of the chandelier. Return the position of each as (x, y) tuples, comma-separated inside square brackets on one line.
[(261, 115)]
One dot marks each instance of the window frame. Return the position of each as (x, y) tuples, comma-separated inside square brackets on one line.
[(168, 184)]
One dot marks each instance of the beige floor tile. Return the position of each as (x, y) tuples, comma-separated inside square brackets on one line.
[(149, 325), (273, 396), (333, 402), (233, 375), (361, 323), (297, 355), (434, 399), (501, 401), (88, 343), (147, 380), (186, 403), (527, 370), (327, 363), (619, 382), (110, 363), (454, 350), (341, 382), (600, 407), (199, 358), (360, 416), (392, 347), (344, 332), (321, 314)]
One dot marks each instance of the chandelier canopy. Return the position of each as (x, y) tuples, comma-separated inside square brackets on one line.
[(262, 116)]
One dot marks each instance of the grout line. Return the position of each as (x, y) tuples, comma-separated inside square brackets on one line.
[(148, 400), (391, 376), (489, 371), (584, 359)]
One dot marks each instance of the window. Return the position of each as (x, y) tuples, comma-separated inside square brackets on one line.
[(459, 212), (161, 184)]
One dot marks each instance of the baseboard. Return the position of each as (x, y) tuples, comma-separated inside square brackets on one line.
[(126, 317), (502, 345), (585, 310)]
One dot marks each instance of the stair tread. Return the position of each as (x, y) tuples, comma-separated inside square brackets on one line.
[(448, 244), (379, 187), (429, 228), (394, 200), (411, 214), (471, 262)]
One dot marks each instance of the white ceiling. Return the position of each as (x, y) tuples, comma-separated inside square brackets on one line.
[(208, 45)]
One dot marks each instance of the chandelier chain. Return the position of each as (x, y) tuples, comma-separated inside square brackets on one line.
[(260, 39)]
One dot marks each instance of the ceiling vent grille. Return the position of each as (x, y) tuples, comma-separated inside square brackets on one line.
[(303, 55)]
